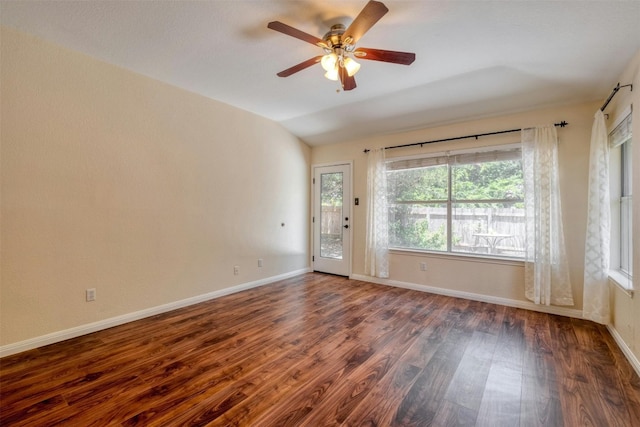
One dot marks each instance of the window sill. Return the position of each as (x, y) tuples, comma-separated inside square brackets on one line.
[(459, 256), (622, 282)]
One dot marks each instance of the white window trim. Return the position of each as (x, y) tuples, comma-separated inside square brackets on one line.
[(467, 256), (622, 281), (616, 276)]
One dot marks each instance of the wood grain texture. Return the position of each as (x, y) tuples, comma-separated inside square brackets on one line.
[(320, 350)]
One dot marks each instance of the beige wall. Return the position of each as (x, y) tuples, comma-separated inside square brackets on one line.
[(496, 279), (626, 308), (148, 193)]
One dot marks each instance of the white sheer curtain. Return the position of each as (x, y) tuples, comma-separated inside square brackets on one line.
[(546, 267), (596, 256), (377, 239)]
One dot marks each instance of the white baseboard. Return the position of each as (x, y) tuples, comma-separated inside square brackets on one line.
[(561, 311), (625, 349), (9, 349)]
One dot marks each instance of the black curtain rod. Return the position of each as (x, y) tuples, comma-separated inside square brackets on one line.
[(613, 93), (476, 136)]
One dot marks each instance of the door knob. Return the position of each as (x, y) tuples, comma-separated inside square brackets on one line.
[(346, 226)]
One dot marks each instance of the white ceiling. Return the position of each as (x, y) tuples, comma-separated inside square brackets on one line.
[(473, 58)]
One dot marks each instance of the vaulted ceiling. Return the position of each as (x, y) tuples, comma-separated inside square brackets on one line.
[(473, 58)]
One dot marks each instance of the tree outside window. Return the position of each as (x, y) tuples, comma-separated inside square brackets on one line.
[(470, 203)]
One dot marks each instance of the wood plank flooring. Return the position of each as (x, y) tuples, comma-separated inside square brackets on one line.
[(320, 350)]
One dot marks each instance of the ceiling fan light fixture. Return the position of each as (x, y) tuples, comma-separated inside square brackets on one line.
[(339, 46), (351, 66), (332, 74), (329, 61)]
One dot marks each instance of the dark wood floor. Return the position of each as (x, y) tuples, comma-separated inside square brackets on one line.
[(321, 350)]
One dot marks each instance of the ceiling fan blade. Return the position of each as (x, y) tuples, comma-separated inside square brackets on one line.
[(294, 32), (348, 82), (393, 56), (299, 67), (372, 12)]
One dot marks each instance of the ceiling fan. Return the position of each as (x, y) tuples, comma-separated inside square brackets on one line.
[(339, 45)]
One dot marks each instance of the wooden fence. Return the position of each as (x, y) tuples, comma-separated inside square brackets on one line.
[(475, 230)]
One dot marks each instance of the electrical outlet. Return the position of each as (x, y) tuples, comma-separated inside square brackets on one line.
[(260, 262), (423, 266), (91, 294), (236, 270)]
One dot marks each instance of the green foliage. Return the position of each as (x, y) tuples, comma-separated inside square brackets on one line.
[(436, 240), (331, 189), (486, 181), (421, 184), (496, 184), (407, 233), (500, 180)]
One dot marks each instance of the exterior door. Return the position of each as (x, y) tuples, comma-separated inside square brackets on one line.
[(332, 219)]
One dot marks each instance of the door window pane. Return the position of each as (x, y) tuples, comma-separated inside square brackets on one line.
[(331, 185)]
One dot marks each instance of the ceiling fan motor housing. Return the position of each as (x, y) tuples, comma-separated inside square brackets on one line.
[(334, 39), (339, 45)]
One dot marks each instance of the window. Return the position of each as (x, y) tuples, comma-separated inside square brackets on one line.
[(461, 203), (621, 196)]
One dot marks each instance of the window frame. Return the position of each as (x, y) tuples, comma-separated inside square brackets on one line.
[(620, 177), (450, 201)]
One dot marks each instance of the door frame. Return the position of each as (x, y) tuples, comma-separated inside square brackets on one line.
[(348, 163)]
